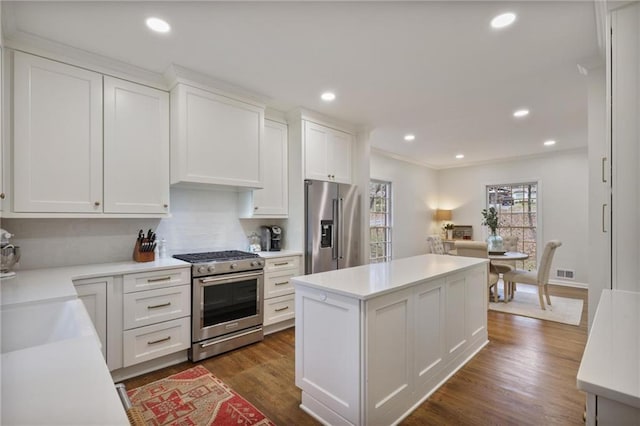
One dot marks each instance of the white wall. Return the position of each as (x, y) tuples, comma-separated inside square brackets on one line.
[(202, 220), (415, 193), (563, 200)]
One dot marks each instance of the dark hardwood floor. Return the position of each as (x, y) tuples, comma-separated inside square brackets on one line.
[(526, 375)]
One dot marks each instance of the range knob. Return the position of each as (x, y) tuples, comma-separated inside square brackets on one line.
[(254, 263), (233, 266), (202, 270), (211, 268)]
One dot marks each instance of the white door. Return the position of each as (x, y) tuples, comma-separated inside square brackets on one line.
[(136, 148), (315, 155), (339, 156), (94, 298), (57, 137), (272, 199)]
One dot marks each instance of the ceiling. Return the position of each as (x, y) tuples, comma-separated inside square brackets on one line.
[(434, 69)]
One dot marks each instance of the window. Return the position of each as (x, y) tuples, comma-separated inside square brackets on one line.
[(380, 221), (517, 206)]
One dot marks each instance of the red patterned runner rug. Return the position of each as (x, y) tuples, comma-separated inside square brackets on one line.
[(194, 397)]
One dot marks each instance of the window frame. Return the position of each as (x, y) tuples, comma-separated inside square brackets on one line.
[(387, 243), (532, 262)]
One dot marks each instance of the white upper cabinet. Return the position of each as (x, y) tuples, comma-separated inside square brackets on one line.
[(136, 148), (57, 137), (272, 200), (327, 153), (215, 139)]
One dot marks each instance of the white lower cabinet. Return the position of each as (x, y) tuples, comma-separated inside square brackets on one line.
[(139, 316), (157, 314), (279, 303), (153, 341), (93, 293)]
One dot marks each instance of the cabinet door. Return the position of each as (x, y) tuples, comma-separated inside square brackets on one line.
[(217, 139), (94, 297), (272, 199), (315, 155), (327, 153), (57, 137), (339, 156), (390, 355), (136, 148)]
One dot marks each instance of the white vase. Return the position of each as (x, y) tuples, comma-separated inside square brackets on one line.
[(449, 234)]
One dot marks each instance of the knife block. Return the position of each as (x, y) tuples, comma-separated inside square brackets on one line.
[(142, 256)]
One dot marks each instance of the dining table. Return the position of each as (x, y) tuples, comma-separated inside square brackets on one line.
[(507, 256)]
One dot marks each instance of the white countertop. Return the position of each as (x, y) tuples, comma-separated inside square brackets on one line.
[(61, 387), (49, 284), (281, 253), (367, 281), (610, 364), (61, 377)]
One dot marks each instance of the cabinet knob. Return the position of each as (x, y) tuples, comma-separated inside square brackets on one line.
[(329, 176), (166, 205), (97, 203), (2, 195), (255, 208)]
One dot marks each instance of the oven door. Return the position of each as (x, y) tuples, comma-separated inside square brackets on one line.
[(227, 303)]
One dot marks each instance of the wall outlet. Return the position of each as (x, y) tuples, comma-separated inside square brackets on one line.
[(566, 274)]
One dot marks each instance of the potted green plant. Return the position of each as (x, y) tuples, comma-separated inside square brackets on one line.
[(490, 219), (448, 228)]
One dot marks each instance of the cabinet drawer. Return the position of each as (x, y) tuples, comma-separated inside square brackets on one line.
[(278, 284), (156, 279), (279, 309), (149, 307), (153, 341), (282, 263)]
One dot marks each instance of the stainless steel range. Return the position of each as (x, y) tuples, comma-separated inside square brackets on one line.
[(227, 291)]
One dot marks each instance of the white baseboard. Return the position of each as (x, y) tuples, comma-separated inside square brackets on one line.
[(569, 283)]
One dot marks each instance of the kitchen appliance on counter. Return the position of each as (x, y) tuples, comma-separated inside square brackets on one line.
[(9, 255), (332, 226), (227, 291), (271, 238)]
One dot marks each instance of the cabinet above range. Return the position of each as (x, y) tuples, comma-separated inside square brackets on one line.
[(215, 139)]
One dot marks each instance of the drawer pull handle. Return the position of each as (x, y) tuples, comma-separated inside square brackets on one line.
[(159, 340), (155, 280), (282, 283), (281, 264), (159, 306), (282, 309)]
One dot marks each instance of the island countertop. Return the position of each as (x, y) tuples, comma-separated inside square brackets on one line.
[(367, 281)]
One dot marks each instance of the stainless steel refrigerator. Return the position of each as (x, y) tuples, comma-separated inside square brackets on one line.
[(332, 226)]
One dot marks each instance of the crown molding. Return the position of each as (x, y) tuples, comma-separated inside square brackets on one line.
[(39, 46)]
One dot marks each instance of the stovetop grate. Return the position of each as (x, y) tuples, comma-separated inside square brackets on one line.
[(214, 256)]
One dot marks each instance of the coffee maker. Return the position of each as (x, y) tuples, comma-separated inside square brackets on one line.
[(271, 238)]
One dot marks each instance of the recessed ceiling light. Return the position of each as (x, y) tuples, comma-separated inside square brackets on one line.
[(459, 156), (409, 137), (328, 96), (503, 20), (521, 113), (549, 143), (158, 25)]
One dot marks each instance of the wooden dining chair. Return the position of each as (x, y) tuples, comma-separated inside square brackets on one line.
[(539, 277), (479, 249)]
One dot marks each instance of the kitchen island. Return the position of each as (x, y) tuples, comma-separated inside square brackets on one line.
[(374, 341)]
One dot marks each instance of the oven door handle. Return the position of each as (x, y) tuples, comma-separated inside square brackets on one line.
[(227, 278)]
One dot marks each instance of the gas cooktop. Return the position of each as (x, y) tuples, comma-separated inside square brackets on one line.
[(221, 262), (215, 256)]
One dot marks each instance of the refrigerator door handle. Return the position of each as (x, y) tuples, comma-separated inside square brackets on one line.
[(336, 224), (340, 227)]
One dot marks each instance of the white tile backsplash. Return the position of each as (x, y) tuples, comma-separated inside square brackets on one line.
[(201, 220)]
